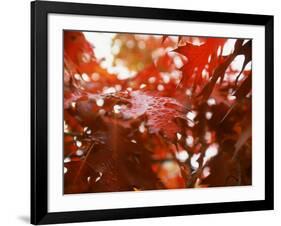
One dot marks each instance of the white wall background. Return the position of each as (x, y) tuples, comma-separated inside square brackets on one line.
[(15, 113)]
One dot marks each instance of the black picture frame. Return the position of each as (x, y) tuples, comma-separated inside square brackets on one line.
[(39, 112)]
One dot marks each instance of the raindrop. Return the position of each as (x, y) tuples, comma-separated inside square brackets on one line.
[(178, 62), (206, 172), (85, 129), (219, 51), (142, 127), (212, 150), (205, 73), (99, 177), (136, 189), (73, 104), (102, 112), (189, 141), (166, 79), (85, 77), (209, 58), (211, 102), (65, 127), (77, 76), (67, 159), (208, 115), (100, 102), (191, 115), (190, 123), (182, 155), (95, 76), (151, 80), (79, 152), (116, 108), (194, 161), (78, 143), (160, 87), (208, 137), (118, 87), (188, 92), (179, 136), (231, 98)]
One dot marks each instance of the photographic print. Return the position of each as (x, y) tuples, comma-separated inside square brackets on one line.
[(156, 111), (143, 112)]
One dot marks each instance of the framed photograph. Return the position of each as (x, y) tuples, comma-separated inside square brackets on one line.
[(144, 112)]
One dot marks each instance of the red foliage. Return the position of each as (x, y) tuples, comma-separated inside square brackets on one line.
[(165, 127), (206, 56)]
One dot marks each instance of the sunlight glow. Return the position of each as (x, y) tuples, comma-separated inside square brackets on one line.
[(206, 172), (85, 77), (100, 102), (179, 136), (78, 143), (189, 141), (182, 155), (211, 102), (191, 115), (79, 152), (211, 152), (194, 161), (142, 127)]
